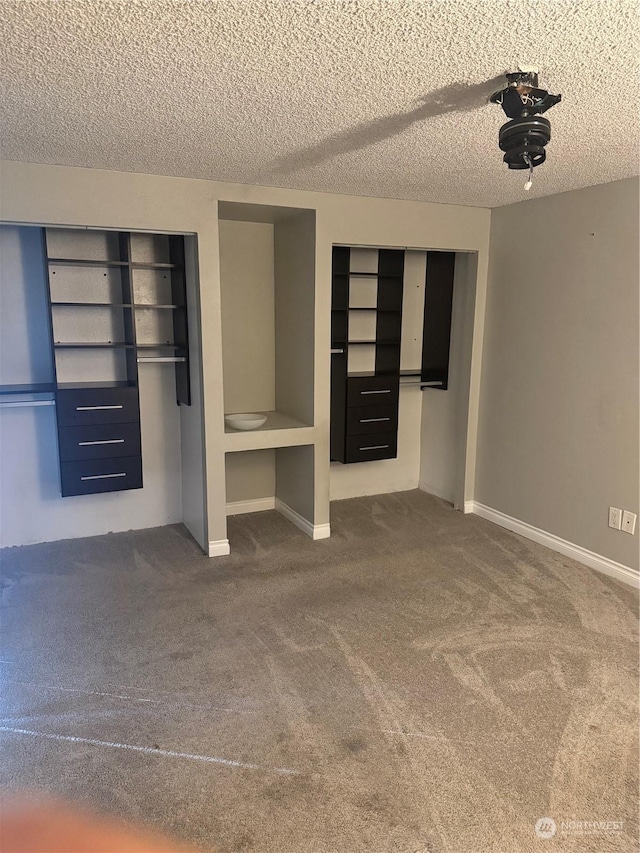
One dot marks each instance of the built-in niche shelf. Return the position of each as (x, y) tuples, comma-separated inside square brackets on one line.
[(268, 306), (277, 431)]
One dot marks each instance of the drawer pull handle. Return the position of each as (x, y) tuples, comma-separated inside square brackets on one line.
[(337, 351), (103, 476), (373, 420), (97, 408), (105, 441), (386, 391), (374, 447)]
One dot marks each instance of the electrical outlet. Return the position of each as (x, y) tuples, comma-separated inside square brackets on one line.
[(615, 518), (629, 522)]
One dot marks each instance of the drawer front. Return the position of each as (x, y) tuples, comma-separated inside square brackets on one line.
[(371, 419), (372, 390), (101, 475), (78, 406), (98, 441), (364, 448)]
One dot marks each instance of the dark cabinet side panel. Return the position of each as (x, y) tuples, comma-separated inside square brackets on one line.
[(438, 304)]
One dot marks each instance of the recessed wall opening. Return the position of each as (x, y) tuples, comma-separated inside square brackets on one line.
[(267, 281), (435, 327), (94, 355), (268, 307), (279, 478)]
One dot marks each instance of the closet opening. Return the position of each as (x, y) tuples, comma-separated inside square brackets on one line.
[(422, 420)]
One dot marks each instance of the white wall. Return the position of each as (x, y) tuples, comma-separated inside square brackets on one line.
[(558, 440), (250, 475), (445, 413), (62, 195), (248, 316)]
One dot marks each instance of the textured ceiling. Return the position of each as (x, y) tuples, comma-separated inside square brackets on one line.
[(375, 97)]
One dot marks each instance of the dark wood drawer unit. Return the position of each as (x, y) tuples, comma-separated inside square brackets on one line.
[(98, 441), (101, 475), (366, 328), (370, 419), (365, 448), (80, 406), (372, 390)]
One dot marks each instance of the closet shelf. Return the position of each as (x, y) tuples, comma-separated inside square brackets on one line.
[(92, 304), (92, 345), (35, 388), (154, 305), (136, 265), (378, 342), (107, 383), (81, 262), (363, 374), (165, 345), (374, 309), (139, 265), (278, 431), (366, 275)]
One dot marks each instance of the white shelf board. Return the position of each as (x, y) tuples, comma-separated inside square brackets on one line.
[(278, 431)]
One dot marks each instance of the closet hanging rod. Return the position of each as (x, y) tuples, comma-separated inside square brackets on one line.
[(160, 359), (420, 384), (20, 404)]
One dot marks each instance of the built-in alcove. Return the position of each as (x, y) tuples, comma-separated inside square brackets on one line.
[(267, 283), (267, 286), (73, 312), (435, 379), (274, 478)]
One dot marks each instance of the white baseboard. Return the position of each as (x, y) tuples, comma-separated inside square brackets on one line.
[(219, 548), (314, 531), (569, 549), (255, 505)]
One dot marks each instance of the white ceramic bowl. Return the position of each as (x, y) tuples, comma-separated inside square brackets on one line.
[(246, 420)]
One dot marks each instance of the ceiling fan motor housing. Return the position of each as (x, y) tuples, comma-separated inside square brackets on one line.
[(523, 140)]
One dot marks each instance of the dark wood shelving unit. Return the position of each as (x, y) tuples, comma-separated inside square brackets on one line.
[(99, 419), (364, 404)]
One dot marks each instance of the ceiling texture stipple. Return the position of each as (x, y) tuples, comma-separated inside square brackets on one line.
[(375, 98)]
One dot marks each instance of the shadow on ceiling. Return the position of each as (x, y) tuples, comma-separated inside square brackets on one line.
[(456, 98)]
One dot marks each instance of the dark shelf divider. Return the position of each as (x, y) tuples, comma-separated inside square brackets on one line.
[(438, 304)]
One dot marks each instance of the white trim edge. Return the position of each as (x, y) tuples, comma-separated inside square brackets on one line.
[(255, 505), (219, 548), (314, 531), (595, 561)]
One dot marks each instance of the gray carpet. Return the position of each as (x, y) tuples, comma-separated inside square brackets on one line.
[(422, 681)]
